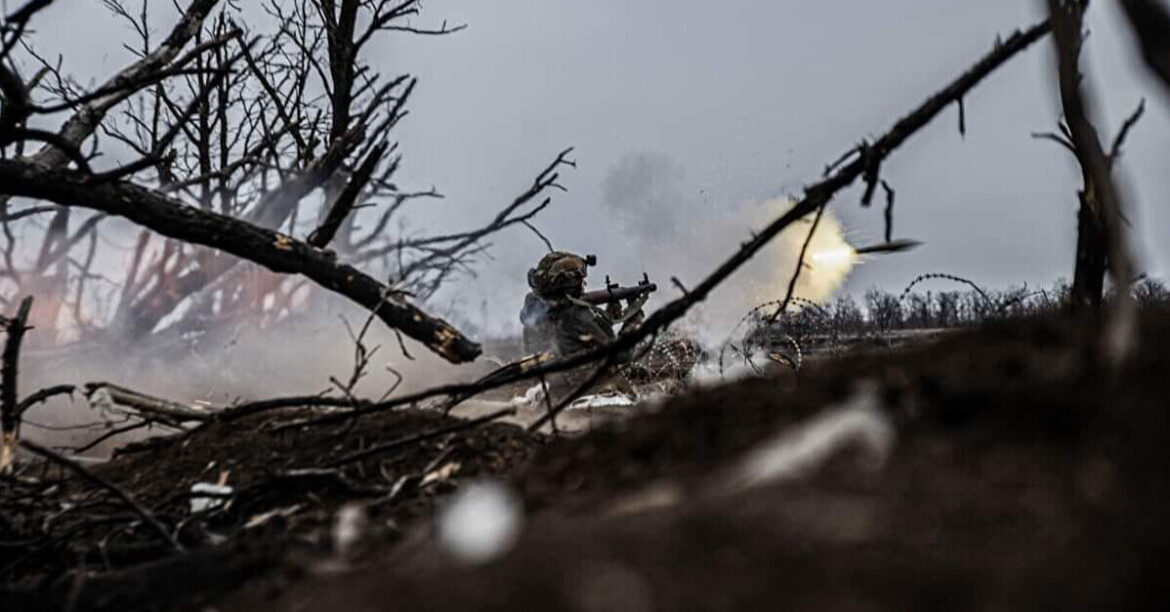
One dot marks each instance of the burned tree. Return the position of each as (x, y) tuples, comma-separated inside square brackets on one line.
[(263, 163), (1100, 245)]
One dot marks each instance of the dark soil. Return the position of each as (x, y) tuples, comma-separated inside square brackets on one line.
[(1025, 475)]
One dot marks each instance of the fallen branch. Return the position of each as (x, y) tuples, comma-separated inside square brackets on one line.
[(164, 410), (43, 395), (271, 249), (240, 411)]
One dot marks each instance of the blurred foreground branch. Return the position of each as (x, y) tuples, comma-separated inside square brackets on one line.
[(1150, 20), (1101, 199)]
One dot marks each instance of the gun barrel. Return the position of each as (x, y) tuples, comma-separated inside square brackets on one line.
[(605, 296)]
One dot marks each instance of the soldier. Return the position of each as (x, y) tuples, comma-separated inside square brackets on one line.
[(556, 320)]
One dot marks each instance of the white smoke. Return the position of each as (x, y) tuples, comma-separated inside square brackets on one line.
[(671, 233)]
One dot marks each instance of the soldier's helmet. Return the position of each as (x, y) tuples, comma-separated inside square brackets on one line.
[(559, 272)]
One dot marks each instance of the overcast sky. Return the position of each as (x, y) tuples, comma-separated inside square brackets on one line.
[(684, 114)]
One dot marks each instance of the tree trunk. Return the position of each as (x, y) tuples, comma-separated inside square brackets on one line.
[(1089, 273)]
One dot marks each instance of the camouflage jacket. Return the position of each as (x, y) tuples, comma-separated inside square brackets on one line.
[(562, 326)]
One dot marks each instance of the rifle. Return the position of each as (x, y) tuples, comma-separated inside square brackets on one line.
[(613, 293)]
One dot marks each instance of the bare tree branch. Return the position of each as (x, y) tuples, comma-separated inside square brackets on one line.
[(275, 251)]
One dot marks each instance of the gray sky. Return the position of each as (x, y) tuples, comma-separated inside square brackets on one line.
[(720, 106)]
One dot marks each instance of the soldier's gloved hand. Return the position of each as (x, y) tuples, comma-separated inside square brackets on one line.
[(613, 309), (633, 323)]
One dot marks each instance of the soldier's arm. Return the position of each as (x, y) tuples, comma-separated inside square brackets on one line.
[(579, 330)]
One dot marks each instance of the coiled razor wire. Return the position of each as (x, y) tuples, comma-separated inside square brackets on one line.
[(997, 307), (825, 322), (943, 276), (746, 347)]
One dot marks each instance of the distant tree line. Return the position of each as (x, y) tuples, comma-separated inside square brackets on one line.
[(882, 311)]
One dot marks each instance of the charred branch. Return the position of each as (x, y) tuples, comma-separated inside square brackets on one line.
[(153, 408), (347, 199), (275, 251)]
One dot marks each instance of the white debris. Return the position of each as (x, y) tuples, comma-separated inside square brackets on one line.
[(601, 400), (531, 396), (264, 517), (215, 496), (349, 525), (101, 400), (481, 522), (796, 451)]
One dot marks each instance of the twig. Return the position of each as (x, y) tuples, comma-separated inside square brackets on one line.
[(42, 395), (548, 405), (118, 492), (1119, 140), (799, 266), (117, 431), (551, 415), (889, 212), (421, 437), (542, 237)]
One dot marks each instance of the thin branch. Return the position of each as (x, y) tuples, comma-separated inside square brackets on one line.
[(43, 395), (118, 492), (420, 437), (799, 266), (347, 199), (1119, 140)]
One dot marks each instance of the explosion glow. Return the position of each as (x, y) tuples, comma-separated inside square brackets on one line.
[(829, 261), (838, 255)]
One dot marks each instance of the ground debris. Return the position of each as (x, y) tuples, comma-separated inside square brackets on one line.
[(1019, 478)]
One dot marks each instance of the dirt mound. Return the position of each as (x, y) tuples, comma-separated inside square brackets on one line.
[(1019, 474), (1022, 477), (282, 501)]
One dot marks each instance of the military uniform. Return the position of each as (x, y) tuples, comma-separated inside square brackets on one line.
[(562, 326), (556, 322)]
